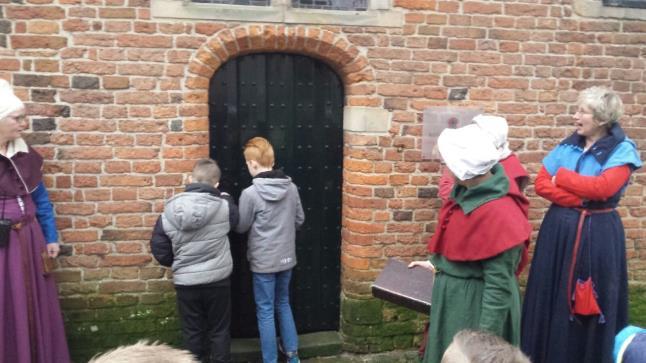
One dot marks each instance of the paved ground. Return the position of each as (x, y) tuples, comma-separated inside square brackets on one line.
[(390, 357)]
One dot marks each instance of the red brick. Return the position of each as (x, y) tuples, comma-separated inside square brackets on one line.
[(82, 12), (141, 98), (147, 167), (81, 209), (168, 180), (174, 28), (116, 82), (141, 69), (9, 64), (42, 27), (109, 180), (526, 10), (433, 55), (143, 126), (146, 55), (519, 108), (140, 111), (117, 13), (472, 7), (463, 32), (503, 34), (145, 27), (628, 26), (85, 153), (464, 81), (448, 6), (43, 65), (144, 41), (389, 53), (178, 166), (34, 12), (118, 26), (416, 4), (136, 153), (400, 90), (363, 251), (79, 236), (111, 287), (85, 96), (91, 67), (129, 247), (549, 60), (35, 42), (191, 42), (208, 28), (124, 207), (76, 25)]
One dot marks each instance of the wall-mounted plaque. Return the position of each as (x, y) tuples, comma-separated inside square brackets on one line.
[(437, 119)]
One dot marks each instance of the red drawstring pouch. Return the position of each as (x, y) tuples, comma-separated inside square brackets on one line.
[(585, 299)]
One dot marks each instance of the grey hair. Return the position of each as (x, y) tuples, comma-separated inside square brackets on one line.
[(483, 347), (143, 352), (206, 171), (606, 106)]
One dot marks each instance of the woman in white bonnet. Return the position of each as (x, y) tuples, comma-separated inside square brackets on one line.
[(478, 247), (32, 328), (496, 129)]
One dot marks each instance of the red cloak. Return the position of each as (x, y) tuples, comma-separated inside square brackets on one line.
[(492, 228)]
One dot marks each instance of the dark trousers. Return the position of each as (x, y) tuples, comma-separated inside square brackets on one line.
[(205, 313)]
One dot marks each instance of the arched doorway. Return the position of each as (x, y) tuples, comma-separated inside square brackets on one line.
[(297, 103)]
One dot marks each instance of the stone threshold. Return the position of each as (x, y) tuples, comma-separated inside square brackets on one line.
[(319, 344)]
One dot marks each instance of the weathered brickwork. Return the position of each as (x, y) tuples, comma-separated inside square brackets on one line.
[(118, 105)]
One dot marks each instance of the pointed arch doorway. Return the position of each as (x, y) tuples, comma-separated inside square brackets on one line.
[(296, 102)]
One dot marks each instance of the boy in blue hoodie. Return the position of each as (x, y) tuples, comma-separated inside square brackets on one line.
[(271, 210)]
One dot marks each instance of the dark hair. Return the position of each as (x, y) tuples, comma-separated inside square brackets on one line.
[(206, 171)]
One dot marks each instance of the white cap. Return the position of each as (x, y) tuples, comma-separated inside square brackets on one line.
[(498, 129), (468, 151), (9, 103)]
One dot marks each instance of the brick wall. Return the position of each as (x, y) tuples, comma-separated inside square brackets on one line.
[(118, 105)]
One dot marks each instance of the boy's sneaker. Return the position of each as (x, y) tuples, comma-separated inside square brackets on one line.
[(292, 357)]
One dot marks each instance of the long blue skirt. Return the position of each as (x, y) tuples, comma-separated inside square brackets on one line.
[(549, 334)]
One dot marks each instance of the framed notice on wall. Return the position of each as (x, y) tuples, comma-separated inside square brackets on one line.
[(437, 119)]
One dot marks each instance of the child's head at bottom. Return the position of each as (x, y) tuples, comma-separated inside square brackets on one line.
[(143, 352), (206, 171), (259, 155), (470, 346)]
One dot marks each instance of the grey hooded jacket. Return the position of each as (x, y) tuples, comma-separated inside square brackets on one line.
[(197, 223), (271, 210)]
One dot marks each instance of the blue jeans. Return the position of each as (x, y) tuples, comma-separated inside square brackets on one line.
[(271, 292)]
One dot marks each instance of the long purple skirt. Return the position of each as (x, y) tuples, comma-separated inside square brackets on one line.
[(31, 324)]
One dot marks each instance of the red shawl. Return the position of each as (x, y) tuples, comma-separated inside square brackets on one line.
[(488, 231)]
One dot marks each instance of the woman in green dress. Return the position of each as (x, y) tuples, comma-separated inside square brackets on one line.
[(479, 245)]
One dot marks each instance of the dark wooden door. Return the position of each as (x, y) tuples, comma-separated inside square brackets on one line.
[(295, 102)]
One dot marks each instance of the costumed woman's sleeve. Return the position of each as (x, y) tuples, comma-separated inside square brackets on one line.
[(446, 184), (45, 213), (499, 282), (599, 187), (546, 189)]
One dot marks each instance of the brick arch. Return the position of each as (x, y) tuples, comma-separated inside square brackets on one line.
[(343, 57)]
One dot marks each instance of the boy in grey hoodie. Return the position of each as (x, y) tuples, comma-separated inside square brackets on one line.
[(191, 236), (270, 209)]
